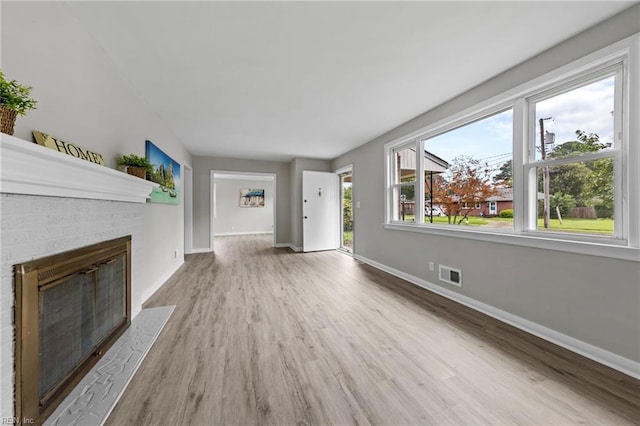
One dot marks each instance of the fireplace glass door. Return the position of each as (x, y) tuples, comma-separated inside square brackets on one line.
[(70, 308), (76, 314)]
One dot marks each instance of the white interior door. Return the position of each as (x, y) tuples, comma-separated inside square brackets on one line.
[(319, 207)]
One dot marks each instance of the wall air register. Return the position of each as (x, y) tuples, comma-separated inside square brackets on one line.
[(450, 275)]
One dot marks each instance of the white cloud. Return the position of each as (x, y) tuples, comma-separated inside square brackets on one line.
[(588, 108)]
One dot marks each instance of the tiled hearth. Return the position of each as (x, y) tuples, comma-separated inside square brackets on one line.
[(92, 400)]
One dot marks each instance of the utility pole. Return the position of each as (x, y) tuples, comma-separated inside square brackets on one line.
[(545, 177)]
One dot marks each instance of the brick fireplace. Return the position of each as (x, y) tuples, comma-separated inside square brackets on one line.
[(52, 203)]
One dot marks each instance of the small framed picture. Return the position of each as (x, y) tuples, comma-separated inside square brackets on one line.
[(251, 197)]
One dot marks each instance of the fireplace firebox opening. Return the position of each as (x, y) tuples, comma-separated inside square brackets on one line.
[(70, 308)]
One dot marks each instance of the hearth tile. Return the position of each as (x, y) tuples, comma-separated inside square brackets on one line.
[(90, 403)]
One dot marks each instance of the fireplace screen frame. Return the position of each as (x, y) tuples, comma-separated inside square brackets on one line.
[(30, 279)]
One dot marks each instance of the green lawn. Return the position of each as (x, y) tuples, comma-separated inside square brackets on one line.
[(440, 219), (473, 221), (587, 226)]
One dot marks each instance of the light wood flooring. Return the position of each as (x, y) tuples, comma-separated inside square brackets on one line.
[(267, 336)]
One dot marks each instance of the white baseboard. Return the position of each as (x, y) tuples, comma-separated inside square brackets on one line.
[(226, 234), (200, 250), (617, 362), (289, 245), (160, 282)]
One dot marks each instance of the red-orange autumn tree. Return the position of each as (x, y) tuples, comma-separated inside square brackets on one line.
[(468, 182)]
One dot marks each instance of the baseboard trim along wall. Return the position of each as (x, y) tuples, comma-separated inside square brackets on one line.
[(156, 286), (289, 245), (617, 362), (200, 250)]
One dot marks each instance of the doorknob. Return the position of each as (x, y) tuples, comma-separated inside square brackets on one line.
[(305, 217)]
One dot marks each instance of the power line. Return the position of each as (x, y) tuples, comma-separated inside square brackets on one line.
[(496, 157)]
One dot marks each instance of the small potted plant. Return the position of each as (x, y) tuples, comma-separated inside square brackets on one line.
[(15, 100), (135, 165)]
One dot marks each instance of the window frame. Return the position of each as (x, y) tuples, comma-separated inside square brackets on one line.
[(465, 206), (530, 163), (398, 184), (622, 60)]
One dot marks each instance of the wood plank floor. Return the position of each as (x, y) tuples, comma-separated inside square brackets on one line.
[(267, 336)]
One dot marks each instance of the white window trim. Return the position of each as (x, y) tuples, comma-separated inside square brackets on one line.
[(476, 206), (393, 185), (600, 72), (627, 156)]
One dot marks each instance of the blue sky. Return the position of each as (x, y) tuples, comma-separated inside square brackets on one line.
[(588, 108), (490, 139)]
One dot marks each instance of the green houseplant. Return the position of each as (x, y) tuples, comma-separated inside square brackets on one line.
[(135, 165), (15, 99)]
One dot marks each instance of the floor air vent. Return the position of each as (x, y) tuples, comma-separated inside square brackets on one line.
[(450, 275)]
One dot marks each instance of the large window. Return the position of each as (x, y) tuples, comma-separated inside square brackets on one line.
[(468, 168), (575, 157), (549, 159)]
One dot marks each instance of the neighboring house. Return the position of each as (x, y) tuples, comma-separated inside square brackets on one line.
[(406, 163), (406, 169), (493, 205)]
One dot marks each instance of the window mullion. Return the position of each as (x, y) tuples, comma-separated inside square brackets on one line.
[(419, 184), (520, 154), (390, 176), (620, 217), (576, 158)]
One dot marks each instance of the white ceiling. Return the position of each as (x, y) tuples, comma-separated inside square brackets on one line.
[(277, 80)]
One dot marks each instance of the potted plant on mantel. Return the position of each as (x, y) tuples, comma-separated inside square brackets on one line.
[(135, 165), (15, 100)]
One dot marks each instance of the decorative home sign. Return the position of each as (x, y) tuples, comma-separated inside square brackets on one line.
[(252, 197), (68, 148), (166, 172)]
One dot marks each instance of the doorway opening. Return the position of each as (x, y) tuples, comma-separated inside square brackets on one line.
[(242, 203), (346, 211)]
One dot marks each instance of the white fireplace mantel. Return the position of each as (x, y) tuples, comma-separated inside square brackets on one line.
[(31, 169)]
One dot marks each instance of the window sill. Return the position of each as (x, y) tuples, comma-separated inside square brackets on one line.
[(611, 249)]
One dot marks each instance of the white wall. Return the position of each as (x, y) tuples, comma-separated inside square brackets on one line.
[(231, 219), (592, 299), (82, 99), (202, 167)]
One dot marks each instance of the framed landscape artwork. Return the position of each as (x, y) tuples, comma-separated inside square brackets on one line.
[(252, 197), (166, 173)]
